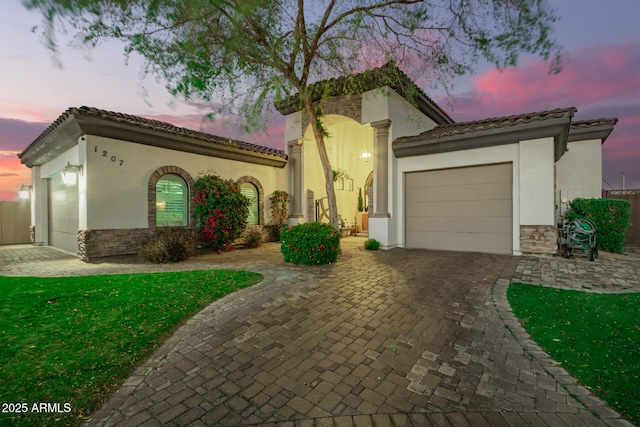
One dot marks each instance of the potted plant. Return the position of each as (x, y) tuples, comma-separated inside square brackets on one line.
[(361, 216)]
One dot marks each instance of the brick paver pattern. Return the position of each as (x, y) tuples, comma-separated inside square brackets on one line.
[(386, 338)]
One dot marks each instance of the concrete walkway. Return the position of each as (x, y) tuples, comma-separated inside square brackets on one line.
[(387, 338)]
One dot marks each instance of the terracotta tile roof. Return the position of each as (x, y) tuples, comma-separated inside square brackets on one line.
[(153, 125), (464, 128), (584, 124), (363, 82)]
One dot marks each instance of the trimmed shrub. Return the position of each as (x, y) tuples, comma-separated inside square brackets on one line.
[(311, 243), (253, 238), (221, 211), (371, 244), (611, 217), (279, 213), (168, 245)]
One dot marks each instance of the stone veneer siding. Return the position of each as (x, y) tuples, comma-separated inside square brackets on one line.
[(93, 244), (32, 234), (539, 239), (96, 244)]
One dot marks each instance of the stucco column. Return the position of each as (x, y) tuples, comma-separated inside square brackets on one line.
[(381, 168), (295, 162), (40, 207)]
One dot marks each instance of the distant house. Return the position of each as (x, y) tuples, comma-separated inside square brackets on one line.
[(497, 185)]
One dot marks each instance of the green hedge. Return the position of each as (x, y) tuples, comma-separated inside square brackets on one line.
[(310, 244), (611, 217)]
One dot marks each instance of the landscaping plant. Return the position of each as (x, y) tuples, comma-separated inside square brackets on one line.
[(311, 243), (279, 213), (169, 245), (221, 211), (596, 338), (611, 217), (253, 238), (371, 244)]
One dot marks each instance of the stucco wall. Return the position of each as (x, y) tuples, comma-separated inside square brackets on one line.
[(347, 140), (381, 104), (579, 172), (117, 174), (537, 205), (532, 180)]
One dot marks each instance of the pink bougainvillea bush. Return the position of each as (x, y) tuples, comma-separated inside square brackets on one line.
[(221, 211)]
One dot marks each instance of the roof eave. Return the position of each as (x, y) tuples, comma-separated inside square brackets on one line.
[(594, 132), (557, 128), (65, 135), (433, 111), (425, 106)]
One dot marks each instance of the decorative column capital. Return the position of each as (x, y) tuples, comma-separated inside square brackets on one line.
[(295, 143), (381, 124)]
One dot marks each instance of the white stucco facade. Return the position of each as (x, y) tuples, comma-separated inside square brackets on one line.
[(579, 172), (117, 180), (376, 137)]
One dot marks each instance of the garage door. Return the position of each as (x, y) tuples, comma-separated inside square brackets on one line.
[(63, 214), (462, 209)]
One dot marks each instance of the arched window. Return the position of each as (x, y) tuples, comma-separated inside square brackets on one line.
[(251, 192), (172, 201)]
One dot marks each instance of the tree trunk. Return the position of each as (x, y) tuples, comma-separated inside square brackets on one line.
[(326, 165)]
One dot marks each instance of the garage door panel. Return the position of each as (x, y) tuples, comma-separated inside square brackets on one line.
[(469, 242), (463, 209), (63, 214), (460, 176), (461, 224), (493, 191)]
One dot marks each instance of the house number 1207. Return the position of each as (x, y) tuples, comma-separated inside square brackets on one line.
[(106, 154)]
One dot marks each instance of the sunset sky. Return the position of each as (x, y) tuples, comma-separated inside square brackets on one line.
[(601, 77)]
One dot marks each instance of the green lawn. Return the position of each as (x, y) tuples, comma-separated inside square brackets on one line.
[(596, 338), (75, 339)]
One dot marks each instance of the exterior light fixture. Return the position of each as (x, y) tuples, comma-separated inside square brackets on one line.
[(365, 155), (70, 174), (24, 192)]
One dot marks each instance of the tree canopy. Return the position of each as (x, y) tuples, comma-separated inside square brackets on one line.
[(243, 55)]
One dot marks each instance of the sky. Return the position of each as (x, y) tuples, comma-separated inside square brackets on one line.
[(601, 77)]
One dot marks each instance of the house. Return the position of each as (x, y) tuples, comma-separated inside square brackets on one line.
[(497, 185), (130, 175)]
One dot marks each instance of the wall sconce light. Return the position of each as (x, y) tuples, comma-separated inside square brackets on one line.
[(70, 174), (24, 192)]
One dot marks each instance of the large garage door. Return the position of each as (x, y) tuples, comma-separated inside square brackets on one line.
[(462, 209), (63, 214)]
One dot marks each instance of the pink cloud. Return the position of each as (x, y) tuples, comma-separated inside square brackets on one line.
[(12, 176), (600, 81)]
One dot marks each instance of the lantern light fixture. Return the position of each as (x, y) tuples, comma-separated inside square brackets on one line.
[(25, 192), (70, 174)]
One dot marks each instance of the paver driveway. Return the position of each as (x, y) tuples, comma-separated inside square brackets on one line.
[(396, 337)]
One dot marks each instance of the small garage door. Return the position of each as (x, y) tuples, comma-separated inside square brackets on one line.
[(462, 209), (63, 214)]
